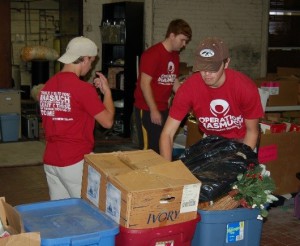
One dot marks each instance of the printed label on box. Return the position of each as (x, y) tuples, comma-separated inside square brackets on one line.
[(93, 185), (113, 202), (190, 198), (271, 87), (235, 232)]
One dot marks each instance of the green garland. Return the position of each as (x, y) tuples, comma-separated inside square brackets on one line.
[(254, 188)]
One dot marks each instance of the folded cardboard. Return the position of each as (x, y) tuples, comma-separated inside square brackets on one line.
[(140, 189), (12, 223), (193, 133), (283, 91), (280, 152), (287, 71)]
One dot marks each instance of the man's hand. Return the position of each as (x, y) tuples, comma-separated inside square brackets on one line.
[(101, 83), (156, 117)]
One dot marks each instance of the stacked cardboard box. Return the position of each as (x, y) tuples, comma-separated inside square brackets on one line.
[(140, 189), (291, 72), (283, 90), (280, 153)]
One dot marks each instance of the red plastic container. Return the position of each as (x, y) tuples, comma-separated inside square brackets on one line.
[(179, 234)]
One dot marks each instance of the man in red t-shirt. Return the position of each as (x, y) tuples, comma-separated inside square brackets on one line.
[(69, 107), (159, 69), (225, 102)]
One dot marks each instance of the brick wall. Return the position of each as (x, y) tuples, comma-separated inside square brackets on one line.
[(31, 24), (242, 24)]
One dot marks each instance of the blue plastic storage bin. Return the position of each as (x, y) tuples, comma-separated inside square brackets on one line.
[(234, 227), (10, 125), (68, 222)]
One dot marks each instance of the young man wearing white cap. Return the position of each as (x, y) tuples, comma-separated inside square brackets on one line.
[(225, 102), (69, 107)]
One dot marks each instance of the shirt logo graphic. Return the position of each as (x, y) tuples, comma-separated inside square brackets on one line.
[(207, 53), (171, 67), (219, 106), (169, 77), (221, 120)]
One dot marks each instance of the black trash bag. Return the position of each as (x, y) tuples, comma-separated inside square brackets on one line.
[(216, 162)]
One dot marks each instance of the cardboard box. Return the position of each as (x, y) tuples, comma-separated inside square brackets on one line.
[(282, 91), (10, 101), (12, 223), (287, 71), (193, 133), (280, 152), (272, 127), (140, 189), (272, 116)]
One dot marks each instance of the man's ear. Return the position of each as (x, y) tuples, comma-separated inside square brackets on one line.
[(226, 65), (85, 59), (172, 35)]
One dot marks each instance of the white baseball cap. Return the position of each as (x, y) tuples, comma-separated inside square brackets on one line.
[(77, 47)]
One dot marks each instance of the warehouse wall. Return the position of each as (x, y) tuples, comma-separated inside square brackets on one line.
[(242, 24), (31, 24)]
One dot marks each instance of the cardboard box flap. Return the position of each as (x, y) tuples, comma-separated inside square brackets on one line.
[(10, 218), (29, 238), (110, 163), (283, 91), (166, 175), (141, 159)]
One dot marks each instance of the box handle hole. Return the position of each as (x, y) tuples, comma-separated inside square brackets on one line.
[(167, 199)]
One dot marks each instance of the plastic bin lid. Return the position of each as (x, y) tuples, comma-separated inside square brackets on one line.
[(9, 115), (66, 218)]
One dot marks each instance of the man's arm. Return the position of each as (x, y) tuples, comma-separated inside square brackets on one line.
[(167, 136), (148, 95), (176, 85), (106, 117), (252, 132)]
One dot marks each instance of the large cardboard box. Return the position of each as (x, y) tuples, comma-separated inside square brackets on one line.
[(12, 223), (140, 189), (280, 152), (283, 91)]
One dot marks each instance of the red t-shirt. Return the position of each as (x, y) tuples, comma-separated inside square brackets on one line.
[(163, 67), (221, 111), (68, 106)]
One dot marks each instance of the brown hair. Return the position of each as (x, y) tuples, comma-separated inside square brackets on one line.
[(179, 26), (79, 60)]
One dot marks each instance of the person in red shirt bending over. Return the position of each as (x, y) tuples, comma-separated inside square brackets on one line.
[(69, 107), (159, 69), (225, 102)]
